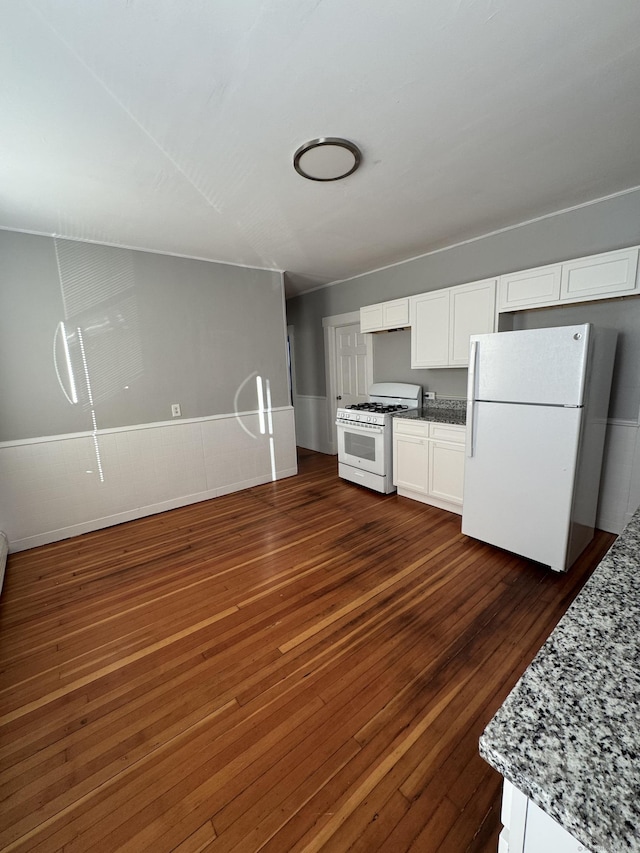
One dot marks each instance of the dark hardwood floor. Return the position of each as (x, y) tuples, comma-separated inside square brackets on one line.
[(302, 666)]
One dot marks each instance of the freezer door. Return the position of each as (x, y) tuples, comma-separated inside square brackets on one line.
[(542, 366), (518, 485)]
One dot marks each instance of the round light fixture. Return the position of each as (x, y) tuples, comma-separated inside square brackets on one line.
[(327, 159)]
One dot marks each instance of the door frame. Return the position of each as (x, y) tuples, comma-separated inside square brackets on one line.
[(291, 356), (329, 325)]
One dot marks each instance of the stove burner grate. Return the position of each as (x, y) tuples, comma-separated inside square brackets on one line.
[(382, 408)]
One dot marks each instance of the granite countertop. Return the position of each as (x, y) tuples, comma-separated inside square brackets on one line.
[(443, 411), (568, 735)]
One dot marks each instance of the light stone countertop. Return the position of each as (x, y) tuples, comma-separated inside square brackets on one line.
[(568, 735)]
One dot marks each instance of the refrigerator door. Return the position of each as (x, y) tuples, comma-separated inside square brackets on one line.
[(518, 485), (543, 366)]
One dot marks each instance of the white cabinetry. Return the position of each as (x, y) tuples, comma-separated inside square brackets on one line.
[(596, 277), (430, 329), (385, 315), (611, 274), (411, 461), (528, 829), (529, 288), (428, 462), (443, 320), (473, 312)]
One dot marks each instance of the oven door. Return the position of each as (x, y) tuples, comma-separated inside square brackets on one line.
[(362, 447)]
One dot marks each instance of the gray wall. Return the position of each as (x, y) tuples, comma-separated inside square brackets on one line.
[(600, 227), (392, 363), (155, 330)]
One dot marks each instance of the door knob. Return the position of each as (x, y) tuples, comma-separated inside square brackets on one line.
[(338, 397)]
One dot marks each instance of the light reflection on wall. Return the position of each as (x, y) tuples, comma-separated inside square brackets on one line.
[(99, 338), (265, 414), (60, 338), (266, 409)]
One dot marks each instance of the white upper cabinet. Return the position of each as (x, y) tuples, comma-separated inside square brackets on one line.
[(473, 312), (429, 314), (385, 315), (610, 274), (596, 277), (443, 320), (527, 288)]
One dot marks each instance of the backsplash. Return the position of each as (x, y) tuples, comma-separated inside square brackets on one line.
[(446, 403)]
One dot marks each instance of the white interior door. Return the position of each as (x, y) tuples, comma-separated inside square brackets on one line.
[(348, 355), (351, 365)]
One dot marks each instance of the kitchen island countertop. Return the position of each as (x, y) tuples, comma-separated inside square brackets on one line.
[(445, 411), (568, 735)]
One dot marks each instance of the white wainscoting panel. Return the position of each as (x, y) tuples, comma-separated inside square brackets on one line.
[(57, 487), (620, 483), (312, 424), (634, 493)]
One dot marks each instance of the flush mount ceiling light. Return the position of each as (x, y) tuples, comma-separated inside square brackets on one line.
[(327, 159)]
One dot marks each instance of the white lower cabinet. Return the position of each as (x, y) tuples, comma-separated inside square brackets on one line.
[(446, 471), (528, 829), (411, 463), (428, 462)]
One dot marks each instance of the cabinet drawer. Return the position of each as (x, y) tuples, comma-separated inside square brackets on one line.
[(447, 432), (401, 426)]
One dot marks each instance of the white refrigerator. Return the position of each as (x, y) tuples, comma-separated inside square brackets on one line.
[(537, 403)]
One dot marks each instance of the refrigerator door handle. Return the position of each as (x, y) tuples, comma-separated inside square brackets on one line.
[(471, 394)]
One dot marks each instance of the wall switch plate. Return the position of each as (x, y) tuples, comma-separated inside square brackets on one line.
[(175, 410), (429, 395)]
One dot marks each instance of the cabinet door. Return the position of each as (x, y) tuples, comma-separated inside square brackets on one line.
[(528, 288), (472, 312), (430, 329), (395, 314), (600, 276), (410, 463), (544, 834), (371, 318), (446, 471)]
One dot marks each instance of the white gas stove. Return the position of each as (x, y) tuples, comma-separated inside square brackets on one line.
[(365, 431)]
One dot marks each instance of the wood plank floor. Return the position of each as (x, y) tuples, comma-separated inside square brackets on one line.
[(302, 666)]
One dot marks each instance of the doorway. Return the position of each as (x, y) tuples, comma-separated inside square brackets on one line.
[(348, 365)]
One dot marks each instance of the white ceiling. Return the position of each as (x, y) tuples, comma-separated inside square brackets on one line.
[(171, 125)]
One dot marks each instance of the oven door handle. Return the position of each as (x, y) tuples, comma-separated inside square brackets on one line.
[(371, 430)]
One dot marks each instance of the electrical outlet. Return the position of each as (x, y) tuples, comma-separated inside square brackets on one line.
[(175, 410), (429, 395)]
